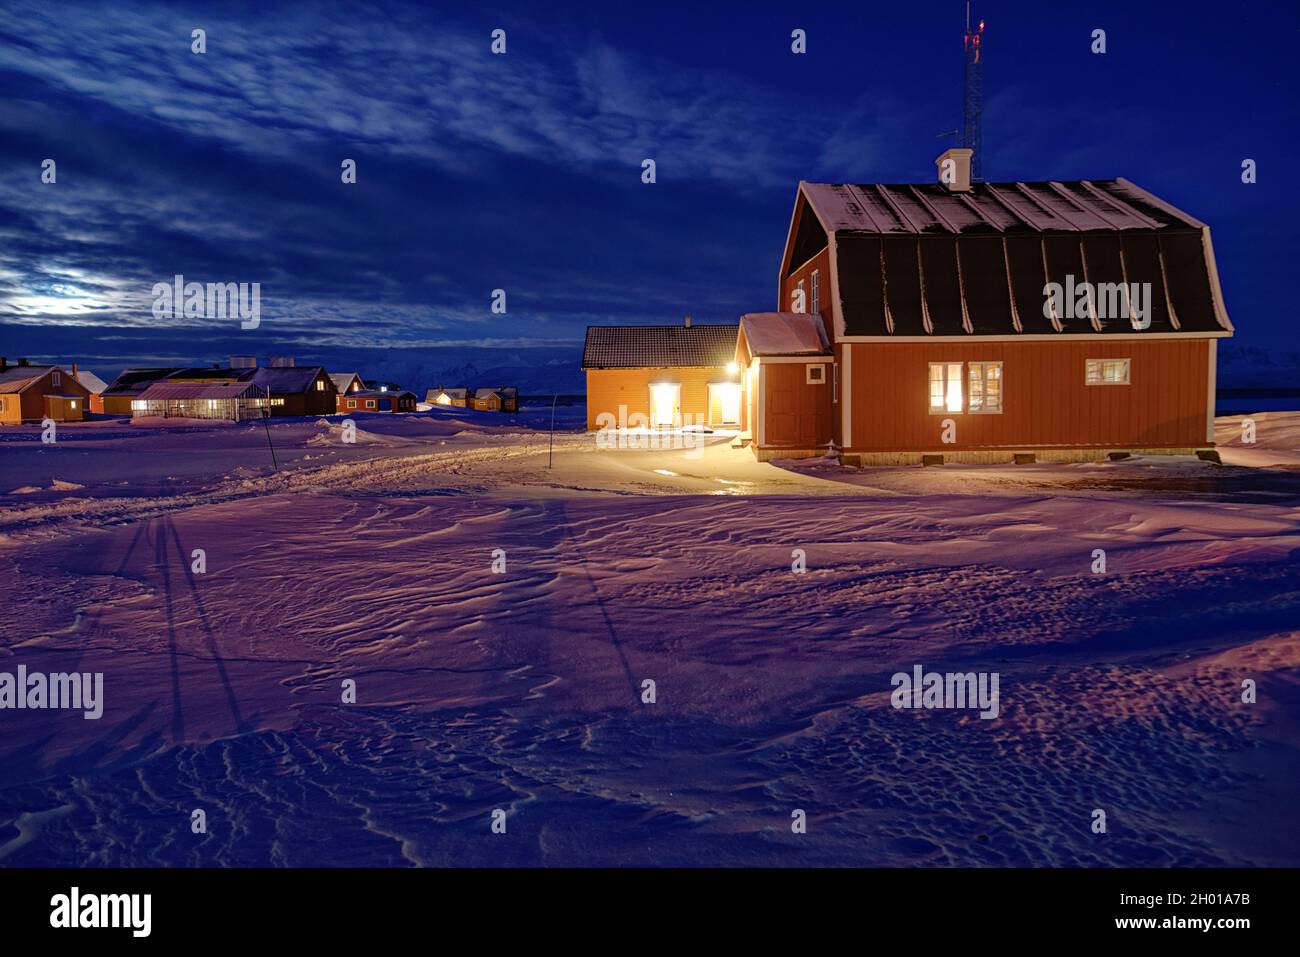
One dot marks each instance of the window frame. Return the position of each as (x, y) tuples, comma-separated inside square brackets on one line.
[(816, 293), (983, 365), (56, 378), (943, 409), (1101, 367), (808, 373)]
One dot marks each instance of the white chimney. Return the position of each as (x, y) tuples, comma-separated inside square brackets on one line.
[(687, 322), (954, 169)]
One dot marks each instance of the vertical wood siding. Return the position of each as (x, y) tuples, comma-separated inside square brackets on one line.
[(797, 414), (822, 264), (607, 389), (1046, 402)]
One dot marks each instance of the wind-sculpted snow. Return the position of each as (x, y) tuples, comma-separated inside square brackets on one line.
[(523, 690)]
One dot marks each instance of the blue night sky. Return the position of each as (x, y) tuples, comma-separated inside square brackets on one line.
[(522, 171)]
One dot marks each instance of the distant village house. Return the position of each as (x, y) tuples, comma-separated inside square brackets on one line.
[(32, 393), (495, 400), (373, 400), (458, 397)]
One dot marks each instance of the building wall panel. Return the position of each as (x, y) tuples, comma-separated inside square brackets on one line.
[(1046, 401), (797, 414), (608, 389)]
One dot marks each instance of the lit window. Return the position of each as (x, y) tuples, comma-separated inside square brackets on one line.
[(73, 405), (1107, 372), (663, 403), (320, 385), (815, 374), (945, 387), (724, 403), (985, 386), (444, 399), (816, 293)]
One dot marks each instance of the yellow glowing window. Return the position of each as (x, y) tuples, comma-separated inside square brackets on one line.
[(1107, 372), (945, 387), (444, 399), (985, 386)]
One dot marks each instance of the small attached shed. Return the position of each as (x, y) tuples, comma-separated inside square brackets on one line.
[(787, 368)]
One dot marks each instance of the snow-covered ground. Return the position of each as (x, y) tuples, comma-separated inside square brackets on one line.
[(523, 689)]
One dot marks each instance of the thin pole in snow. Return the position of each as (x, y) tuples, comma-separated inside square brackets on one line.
[(266, 415), (550, 452)]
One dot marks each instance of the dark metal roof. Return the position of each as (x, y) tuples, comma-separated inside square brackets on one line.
[(133, 381), (657, 347), (993, 285), (215, 373), (918, 260), (288, 379)]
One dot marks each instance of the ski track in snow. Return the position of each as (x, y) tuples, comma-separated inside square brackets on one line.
[(522, 691)]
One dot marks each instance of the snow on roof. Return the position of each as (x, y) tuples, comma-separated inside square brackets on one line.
[(380, 394), (1071, 207), (655, 347), (90, 381), (457, 393), (170, 389), (20, 377), (784, 334), (342, 380)]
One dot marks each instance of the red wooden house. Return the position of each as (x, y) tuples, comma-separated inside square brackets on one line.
[(978, 322)]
